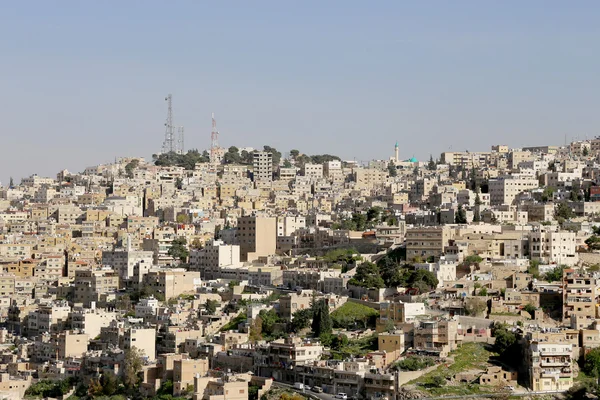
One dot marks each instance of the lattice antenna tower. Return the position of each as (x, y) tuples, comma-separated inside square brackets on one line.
[(214, 141), (169, 144), (180, 142)]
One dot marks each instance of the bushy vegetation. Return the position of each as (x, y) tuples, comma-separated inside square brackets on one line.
[(342, 348), (50, 388), (414, 363), (389, 272), (591, 363), (469, 356), (555, 274), (187, 160), (234, 323), (352, 315)]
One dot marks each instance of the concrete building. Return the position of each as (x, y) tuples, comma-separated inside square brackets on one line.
[(580, 294), (257, 237), (425, 242), (263, 166), (144, 339), (553, 247), (549, 365), (437, 337), (505, 189), (215, 255), (131, 265), (171, 282)]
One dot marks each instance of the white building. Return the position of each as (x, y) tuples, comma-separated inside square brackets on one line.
[(553, 247), (504, 190), (209, 260), (444, 270)]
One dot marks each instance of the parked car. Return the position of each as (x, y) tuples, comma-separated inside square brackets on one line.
[(317, 389), (342, 396)]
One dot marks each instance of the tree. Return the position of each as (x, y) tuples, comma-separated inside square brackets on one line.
[(255, 332), (133, 164), (423, 280), (548, 194), (563, 211), (350, 314), (593, 242), (431, 165), (504, 338), (132, 366), (109, 383), (179, 183), (438, 381), (461, 215), (483, 292), (586, 151), (178, 249), (360, 220), (301, 319), (392, 171), (530, 308), (591, 364), (374, 214), (534, 268), (11, 183), (555, 274), (211, 306), (367, 275), (321, 323), (294, 153)]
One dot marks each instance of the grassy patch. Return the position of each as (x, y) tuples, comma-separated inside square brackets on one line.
[(356, 348), (233, 324), (469, 356), (350, 314)]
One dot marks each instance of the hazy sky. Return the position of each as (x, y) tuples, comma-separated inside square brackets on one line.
[(85, 81)]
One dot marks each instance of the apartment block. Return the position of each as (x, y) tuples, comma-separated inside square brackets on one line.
[(425, 242), (263, 166), (257, 236), (505, 189), (580, 294)]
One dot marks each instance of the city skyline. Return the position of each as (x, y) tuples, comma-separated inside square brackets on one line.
[(321, 78)]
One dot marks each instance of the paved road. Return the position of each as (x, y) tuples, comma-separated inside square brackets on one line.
[(308, 393), (475, 396)]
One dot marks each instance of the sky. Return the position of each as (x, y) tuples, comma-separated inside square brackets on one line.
[(84, 82)]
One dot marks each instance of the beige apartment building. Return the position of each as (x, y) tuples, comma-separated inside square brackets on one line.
[(425, 242), (290, 303), (580, 294), (465, 159), (505, 189), (553, 247), (549, 365), (89, 286), (437, 337), (184, 371), (171, 282), (144, 339), (263, 166), (257, 236)]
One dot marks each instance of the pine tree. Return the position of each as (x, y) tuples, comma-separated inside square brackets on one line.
[(321, 323), (431, 165), (461, 215)]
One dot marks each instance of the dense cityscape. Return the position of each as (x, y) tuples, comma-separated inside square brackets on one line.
[(254, 273)]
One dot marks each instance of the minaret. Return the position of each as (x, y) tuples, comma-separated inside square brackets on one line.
[(396, 152)]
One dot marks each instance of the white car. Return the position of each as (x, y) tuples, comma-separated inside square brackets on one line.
[(342, 396)]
